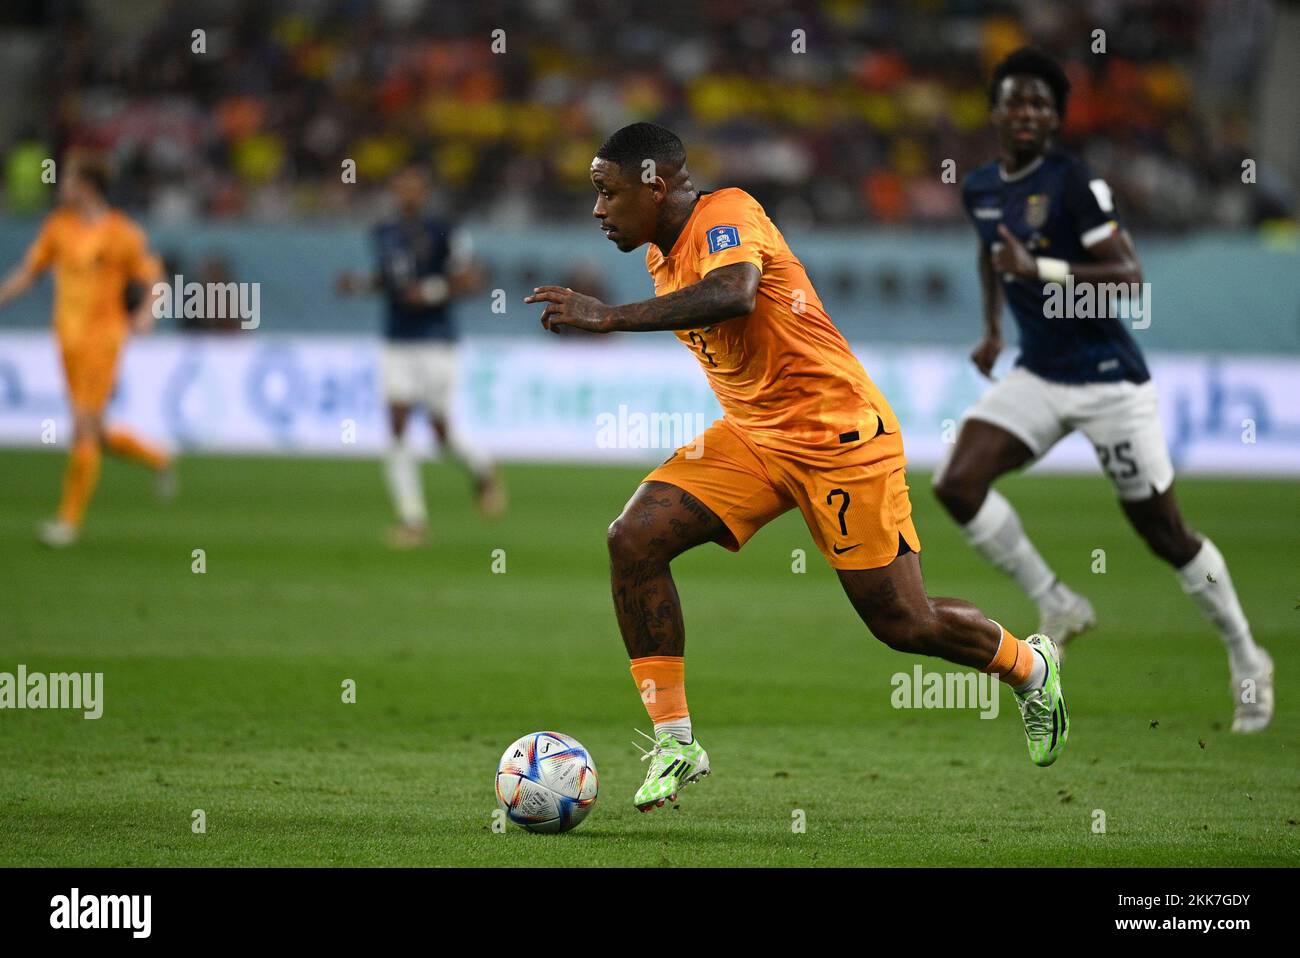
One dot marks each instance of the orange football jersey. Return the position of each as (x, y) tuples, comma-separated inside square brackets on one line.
[(784, 374), (92, 263)]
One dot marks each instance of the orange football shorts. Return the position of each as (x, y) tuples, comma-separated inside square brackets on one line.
[(853, 496), (90, 367)]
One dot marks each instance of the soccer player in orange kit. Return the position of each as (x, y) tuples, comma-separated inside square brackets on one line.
[(803, 427), (95, 252)]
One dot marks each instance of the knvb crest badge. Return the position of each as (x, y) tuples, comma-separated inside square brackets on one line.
[(1036, 208), (723, 237)]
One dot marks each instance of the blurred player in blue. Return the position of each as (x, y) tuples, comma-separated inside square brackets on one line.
[(1042, 217), (423, 264)]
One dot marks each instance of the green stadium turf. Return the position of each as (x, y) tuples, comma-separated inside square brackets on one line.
[(223, 690)]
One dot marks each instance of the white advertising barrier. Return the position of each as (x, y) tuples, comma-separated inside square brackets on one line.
[(619, 399)]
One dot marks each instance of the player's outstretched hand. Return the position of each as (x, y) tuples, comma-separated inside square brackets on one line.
[(986, 354), (1010, 256), (564, 307)]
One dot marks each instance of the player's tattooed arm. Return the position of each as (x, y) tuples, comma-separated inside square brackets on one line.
[(725, 293)]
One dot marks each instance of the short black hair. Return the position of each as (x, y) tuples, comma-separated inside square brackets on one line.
[(1034, 63), (633, 145)]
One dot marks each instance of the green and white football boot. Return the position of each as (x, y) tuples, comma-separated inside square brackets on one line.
[(1047, 721), (673, 766)]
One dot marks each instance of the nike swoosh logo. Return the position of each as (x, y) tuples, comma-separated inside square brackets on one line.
[(838, 551)]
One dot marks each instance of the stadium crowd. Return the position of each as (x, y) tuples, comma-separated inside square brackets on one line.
[(832, 112)]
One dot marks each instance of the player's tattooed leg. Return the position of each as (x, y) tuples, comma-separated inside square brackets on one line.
[(892, 603), (659, 523)]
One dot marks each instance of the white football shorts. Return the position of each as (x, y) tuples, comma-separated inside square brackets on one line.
[(419, 374), (1120, 419)]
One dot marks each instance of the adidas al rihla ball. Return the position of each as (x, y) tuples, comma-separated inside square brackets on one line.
[(546, 782)]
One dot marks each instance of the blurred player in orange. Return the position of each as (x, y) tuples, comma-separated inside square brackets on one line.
[(95, 252)]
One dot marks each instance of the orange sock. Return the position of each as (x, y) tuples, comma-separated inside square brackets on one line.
[(661, 680), (79, 481), (121, 442), (1013, 661)]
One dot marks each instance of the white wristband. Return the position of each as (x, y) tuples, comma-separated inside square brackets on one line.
[(435, 290), (1052, 270)]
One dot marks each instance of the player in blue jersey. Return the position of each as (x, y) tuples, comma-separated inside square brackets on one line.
[(423, 265), (1046, 225)]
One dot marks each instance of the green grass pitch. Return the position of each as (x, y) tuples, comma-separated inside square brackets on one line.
[(223, 690)]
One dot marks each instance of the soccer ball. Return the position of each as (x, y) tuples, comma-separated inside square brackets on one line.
[(546, 782)]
